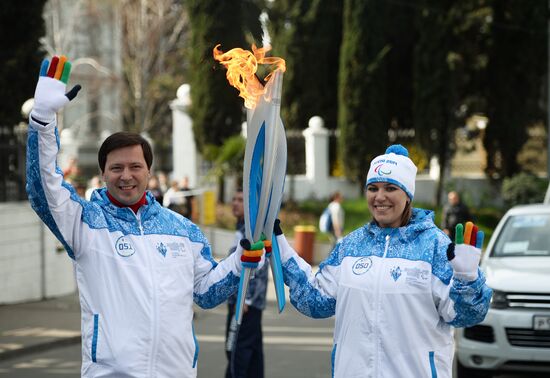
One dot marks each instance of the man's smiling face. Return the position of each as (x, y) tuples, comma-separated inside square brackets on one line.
[(126, 174)]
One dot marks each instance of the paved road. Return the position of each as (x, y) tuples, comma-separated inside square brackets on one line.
[(295, 347)]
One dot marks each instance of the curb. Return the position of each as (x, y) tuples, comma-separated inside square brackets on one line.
[(39, 347)]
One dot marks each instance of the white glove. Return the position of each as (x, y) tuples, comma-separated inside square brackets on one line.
[(465, 253), (50, 96)]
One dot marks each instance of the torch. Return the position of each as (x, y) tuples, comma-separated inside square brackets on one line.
[(265, 157)]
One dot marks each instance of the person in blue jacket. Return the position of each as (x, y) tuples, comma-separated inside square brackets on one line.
[(397, 285)]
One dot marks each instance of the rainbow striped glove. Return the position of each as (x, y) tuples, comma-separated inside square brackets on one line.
[(50, 96), (464, 254), (251, 253)]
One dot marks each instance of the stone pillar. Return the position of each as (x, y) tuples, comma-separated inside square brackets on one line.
[(69, 147), (184, 150), (317, 161), (434, 168)]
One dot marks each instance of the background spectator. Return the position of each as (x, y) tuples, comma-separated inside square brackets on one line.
[(454, 212), (174, 199), (154, 186), (93, 184)]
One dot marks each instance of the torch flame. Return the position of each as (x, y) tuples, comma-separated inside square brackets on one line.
[(241, 70)]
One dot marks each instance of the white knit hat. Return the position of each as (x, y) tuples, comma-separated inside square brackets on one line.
[(394, 167)]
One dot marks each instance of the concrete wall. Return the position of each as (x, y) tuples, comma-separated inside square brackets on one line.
[(32, 263), (474, 191), (301, 187)]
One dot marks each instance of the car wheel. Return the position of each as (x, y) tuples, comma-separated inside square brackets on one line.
[(464, 372)]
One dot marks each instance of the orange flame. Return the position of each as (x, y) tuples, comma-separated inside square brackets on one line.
[(241, 70)]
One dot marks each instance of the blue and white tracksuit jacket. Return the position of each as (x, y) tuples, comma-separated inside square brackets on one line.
[(394, 297), (137, 274)]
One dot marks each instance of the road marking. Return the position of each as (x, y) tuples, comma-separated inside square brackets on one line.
[(37, 363), (6, 347), (297, 329), (41, 332)]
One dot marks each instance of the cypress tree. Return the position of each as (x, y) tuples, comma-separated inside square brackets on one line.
[(516, 75), (433, 93), (21, 55), (448, 62), (307, 34), (216, 109), (363, 116)]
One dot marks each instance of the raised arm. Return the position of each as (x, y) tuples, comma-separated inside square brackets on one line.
[(465, 300), (54, 200)]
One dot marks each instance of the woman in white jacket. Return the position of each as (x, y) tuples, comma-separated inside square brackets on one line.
[(395, 294)]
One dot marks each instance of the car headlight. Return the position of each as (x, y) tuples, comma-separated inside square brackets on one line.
[(499, 300)]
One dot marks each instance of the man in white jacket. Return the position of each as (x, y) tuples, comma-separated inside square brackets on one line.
[(138, 266)]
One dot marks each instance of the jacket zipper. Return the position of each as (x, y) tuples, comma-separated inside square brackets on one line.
[(377, 312), (154, 315)]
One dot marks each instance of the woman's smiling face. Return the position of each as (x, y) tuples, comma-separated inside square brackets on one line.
[(386, 203)]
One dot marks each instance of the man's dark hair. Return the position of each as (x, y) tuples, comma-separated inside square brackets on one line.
[(120, 140)]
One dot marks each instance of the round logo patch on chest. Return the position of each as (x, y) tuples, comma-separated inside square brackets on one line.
[(362, 265), (123, 247)]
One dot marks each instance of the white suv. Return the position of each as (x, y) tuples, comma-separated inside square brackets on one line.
[(515, 335)]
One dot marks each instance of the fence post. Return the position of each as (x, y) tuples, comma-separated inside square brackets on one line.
[(316, 139), (184, 150)]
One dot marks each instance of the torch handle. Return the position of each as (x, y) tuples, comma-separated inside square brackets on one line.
[(241, 296)]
